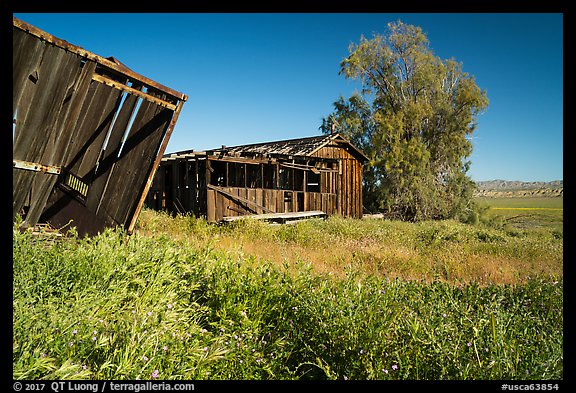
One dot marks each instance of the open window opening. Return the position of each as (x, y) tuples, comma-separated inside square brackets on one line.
[(254, 176), (218, 177), (286, 178), (313, 182)]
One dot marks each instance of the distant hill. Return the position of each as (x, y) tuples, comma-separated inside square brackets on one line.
[(513, 188)]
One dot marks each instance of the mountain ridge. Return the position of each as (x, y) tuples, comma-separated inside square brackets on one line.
[(509, 185), (515, 188)]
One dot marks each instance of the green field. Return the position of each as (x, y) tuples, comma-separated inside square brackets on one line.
[(322, 299), (527, 212), (551, 203)]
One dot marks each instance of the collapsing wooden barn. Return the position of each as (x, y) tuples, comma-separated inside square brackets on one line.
[(321, 173), (88, 134)]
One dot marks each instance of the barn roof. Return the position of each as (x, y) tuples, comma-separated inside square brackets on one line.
[(290, 147)]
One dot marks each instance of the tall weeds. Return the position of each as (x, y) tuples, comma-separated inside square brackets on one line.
[(153, 304)]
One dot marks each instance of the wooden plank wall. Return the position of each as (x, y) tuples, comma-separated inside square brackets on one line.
[(65, 117), (340, 191), (135, 162), (49, 86), (221, 205), (348, 181)]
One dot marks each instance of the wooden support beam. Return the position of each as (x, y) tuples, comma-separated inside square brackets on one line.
[(241, 160), (281, 217), (238, 198), (130, 90), (33, 166), (227, 180)]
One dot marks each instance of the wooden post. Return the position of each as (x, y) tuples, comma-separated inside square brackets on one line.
[(195, 207), (208, 172), (245, 175), (277, 182), (210, 208)]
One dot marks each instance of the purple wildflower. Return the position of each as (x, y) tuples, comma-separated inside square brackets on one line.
[(154, 374)]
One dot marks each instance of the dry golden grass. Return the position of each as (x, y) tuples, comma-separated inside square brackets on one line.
[(445, 251), (397, 262)]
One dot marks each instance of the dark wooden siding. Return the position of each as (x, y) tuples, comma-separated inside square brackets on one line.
[(229, 202), (72, 113), (339, 190), (348, 181), (47, 88)]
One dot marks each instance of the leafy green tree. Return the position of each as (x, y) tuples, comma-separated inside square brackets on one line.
[(413, 119)]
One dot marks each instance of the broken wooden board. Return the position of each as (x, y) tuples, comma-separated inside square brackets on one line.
[(282, 218)]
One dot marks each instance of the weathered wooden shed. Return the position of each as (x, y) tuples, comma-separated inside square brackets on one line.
[(88, 134), (320, 173)]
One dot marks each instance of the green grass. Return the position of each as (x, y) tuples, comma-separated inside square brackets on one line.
[(526, 212), (171, 298), (528, 202)]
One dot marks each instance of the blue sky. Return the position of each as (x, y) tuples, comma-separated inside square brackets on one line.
[(262, 77)]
